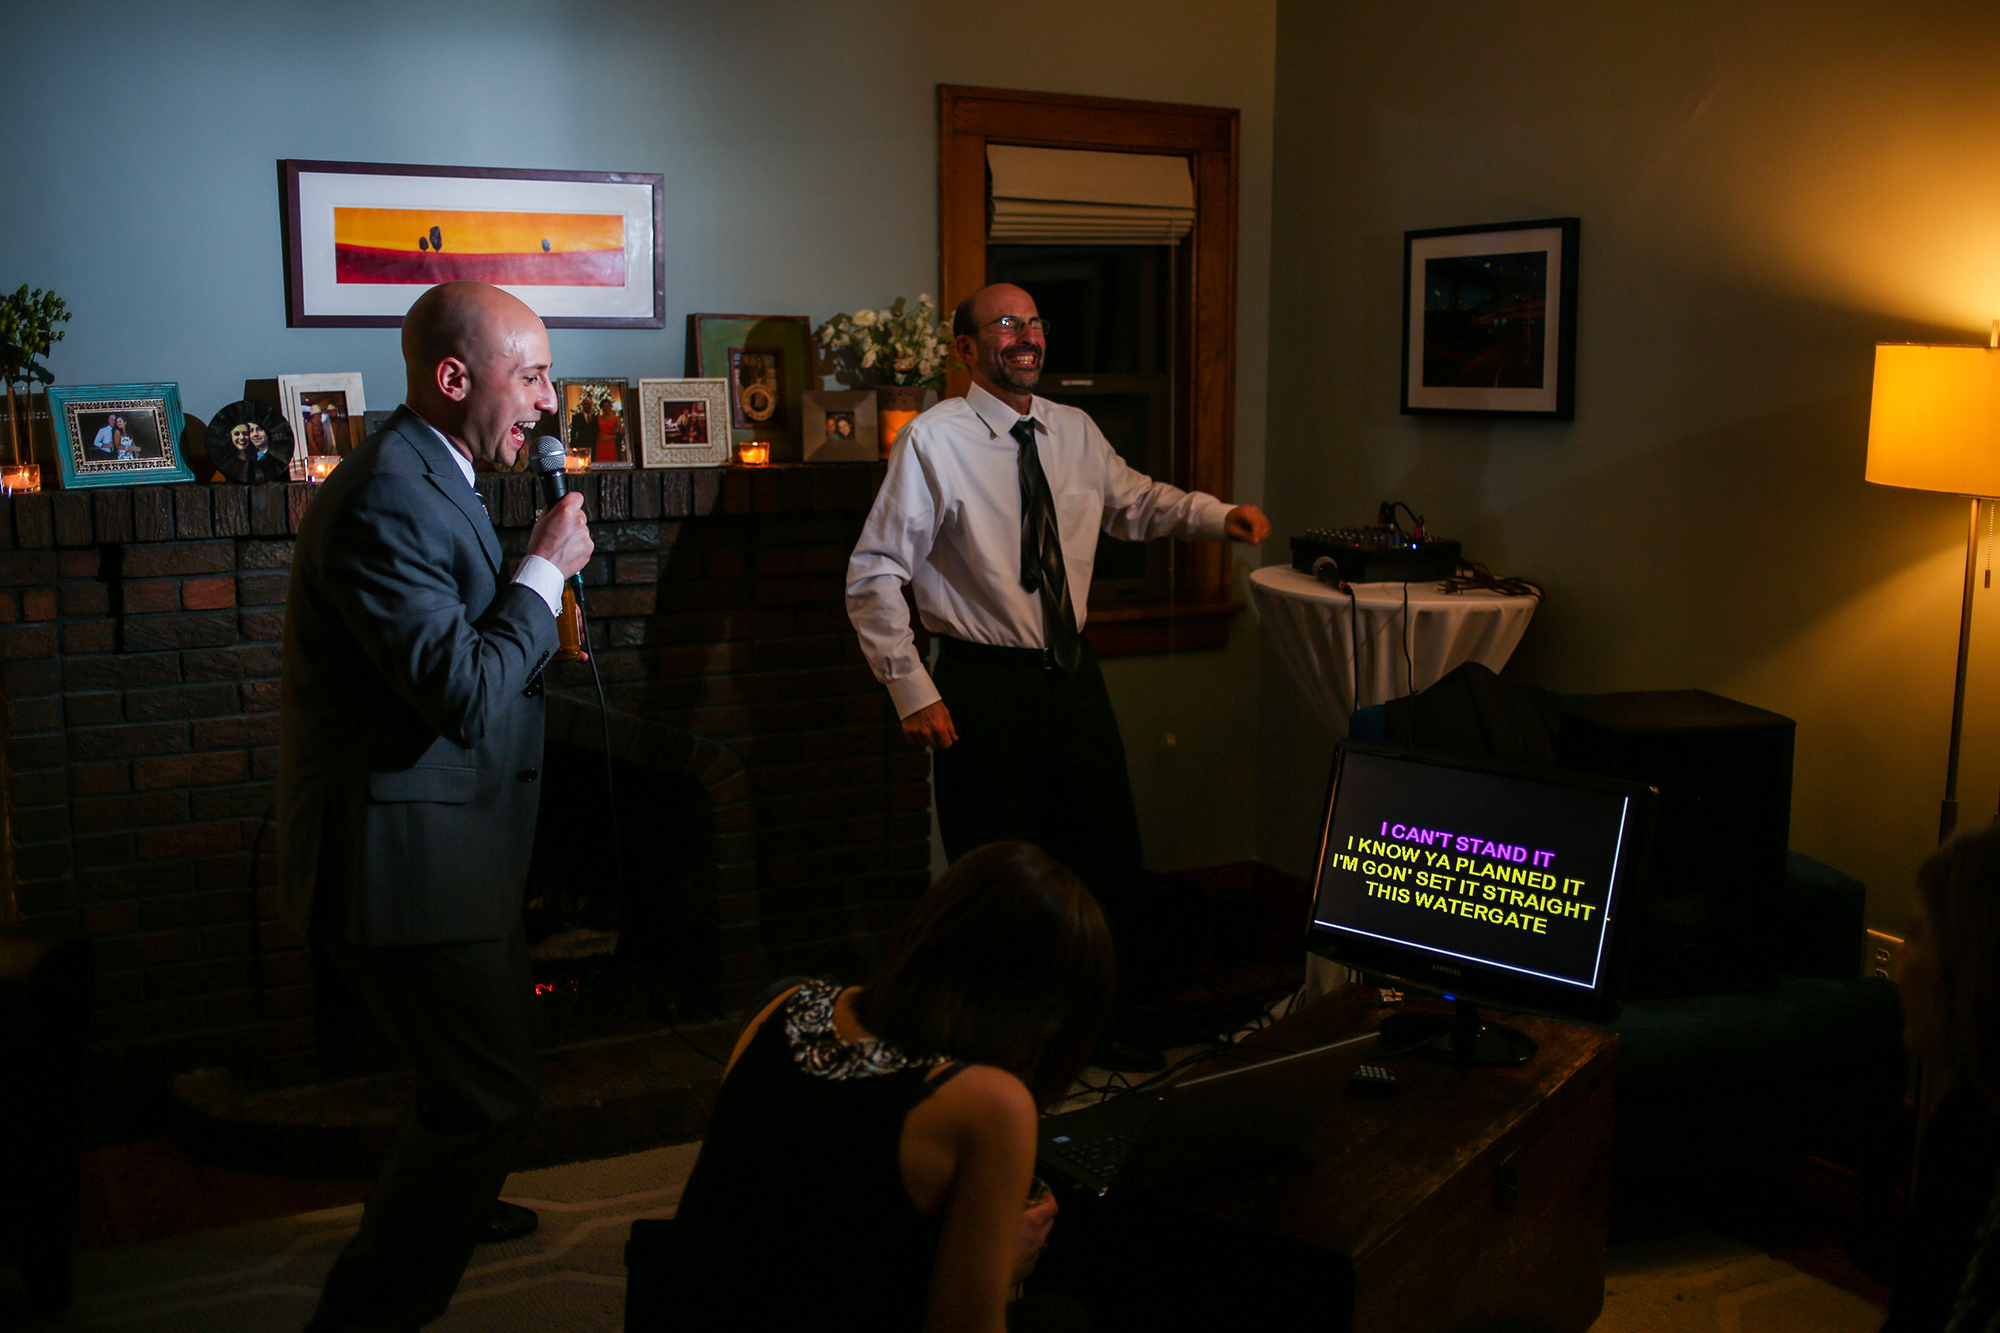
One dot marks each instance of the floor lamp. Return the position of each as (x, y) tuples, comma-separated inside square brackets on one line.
[(1934, 425)]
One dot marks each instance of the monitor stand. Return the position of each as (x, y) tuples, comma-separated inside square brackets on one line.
[(1460, 1037)]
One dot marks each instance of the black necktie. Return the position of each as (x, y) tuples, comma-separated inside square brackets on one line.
[(1042, 555)]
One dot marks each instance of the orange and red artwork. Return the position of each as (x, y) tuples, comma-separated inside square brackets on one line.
[(425, 246)]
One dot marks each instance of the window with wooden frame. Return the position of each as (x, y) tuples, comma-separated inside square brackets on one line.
[(1190, 607)]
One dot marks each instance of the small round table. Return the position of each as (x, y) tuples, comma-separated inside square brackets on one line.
[(1410, 635)]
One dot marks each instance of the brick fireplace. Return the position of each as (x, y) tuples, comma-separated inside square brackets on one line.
[(139, 631)]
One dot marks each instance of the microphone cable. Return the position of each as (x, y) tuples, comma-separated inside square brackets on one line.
[(611, 802)]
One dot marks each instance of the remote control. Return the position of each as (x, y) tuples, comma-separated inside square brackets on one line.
[(1375, 1078)]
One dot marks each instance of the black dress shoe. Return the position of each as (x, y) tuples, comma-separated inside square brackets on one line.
[(509, 1221), (1122, 1055)]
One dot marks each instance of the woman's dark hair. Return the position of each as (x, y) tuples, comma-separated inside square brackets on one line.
[(1960, 888), (1006, 961)]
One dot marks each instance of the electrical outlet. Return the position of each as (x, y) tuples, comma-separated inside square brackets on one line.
[(1884, 957)]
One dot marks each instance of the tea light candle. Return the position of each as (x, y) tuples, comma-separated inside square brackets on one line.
[(320, 466), (21, 478), (754, 454), (576, 460)]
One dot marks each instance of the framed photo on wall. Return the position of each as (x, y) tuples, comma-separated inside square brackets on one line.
[(1489, 319), (684, 423), (840, 426), (328, 414), (767, 362), (364, 239), (593, 415), (118, 434)]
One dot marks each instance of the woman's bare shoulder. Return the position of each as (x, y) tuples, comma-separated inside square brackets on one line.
[(985, 1098)]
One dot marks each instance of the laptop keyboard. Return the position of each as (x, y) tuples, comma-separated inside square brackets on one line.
[(1099, 1154)]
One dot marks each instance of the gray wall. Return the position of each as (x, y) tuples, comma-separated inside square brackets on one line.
[(1765, 192), (798, 142)]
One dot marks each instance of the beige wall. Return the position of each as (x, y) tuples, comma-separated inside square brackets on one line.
[(1765, 193)]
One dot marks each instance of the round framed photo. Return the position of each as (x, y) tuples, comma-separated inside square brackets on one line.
[(250, 442)]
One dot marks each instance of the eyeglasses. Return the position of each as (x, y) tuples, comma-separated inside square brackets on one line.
[(1014, 324)]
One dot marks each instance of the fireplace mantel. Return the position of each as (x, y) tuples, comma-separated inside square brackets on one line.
[(139, 637)]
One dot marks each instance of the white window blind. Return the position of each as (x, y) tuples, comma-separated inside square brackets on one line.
[(1065, 196)]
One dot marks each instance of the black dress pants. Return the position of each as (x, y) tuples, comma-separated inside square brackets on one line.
[(1039, 759), (461, 1014)]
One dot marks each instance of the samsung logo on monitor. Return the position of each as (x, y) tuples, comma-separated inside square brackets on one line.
[(1440, 967)]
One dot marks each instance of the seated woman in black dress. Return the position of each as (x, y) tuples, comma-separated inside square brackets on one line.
[(869, 1161), (1950, 1279)]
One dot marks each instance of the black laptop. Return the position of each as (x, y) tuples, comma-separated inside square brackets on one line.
[(1234, 1115)]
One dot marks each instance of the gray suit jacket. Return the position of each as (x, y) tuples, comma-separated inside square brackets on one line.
[(409, 746)]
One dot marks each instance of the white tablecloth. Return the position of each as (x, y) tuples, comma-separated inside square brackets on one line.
[(1310, 626)]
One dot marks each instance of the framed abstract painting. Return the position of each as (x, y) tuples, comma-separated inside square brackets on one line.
[(1489, 319), (364, 239)]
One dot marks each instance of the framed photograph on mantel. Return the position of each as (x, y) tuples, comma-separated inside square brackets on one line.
[(684, 423), (1489, 319), (364, 239), (118, 434), (590, 414), (840, 426), (327, 414), (767, 362)]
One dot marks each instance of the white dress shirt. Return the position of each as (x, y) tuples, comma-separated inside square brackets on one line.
[(948, 522), (541, 576)]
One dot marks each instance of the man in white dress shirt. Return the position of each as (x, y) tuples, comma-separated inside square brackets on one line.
[(990, 512)]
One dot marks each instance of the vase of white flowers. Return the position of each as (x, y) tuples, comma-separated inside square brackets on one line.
[(899, 352)]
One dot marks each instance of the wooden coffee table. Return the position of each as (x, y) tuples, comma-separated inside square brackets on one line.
[(1471, 1196)]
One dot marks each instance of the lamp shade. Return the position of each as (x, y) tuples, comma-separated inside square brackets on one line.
[(1934, 423)]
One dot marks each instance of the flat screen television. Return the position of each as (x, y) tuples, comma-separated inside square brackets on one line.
[(1490, 884)]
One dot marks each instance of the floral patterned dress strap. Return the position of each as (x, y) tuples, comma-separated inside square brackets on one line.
[(817, 1048)]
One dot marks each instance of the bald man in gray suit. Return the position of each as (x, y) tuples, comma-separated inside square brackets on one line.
[(410, 741)]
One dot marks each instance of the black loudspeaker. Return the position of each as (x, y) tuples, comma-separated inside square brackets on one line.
[(1711, 888)]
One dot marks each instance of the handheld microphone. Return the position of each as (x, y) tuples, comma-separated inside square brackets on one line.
[(545, 460)]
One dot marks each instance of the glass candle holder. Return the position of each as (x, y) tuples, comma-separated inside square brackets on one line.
[(754, 454), (576, 460), (21, 478), (320, 466)]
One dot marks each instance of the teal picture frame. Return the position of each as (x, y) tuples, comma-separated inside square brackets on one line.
[(118, 434)]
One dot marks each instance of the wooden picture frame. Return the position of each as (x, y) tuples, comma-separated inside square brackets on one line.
[(841, 426), (364, 239), (766, 361), (704, 441), (118, 434), (580, 407), (1489, 320)]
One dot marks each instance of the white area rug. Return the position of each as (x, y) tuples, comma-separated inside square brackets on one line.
[(569, 1277)]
